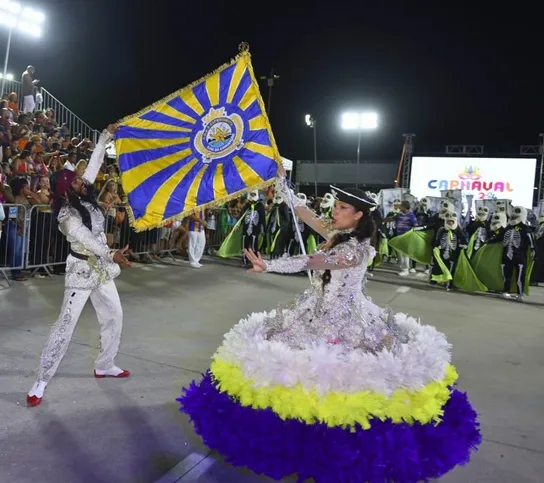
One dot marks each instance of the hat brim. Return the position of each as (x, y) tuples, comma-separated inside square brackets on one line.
[(358, 200)]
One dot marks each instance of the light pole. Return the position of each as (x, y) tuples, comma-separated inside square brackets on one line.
[(270, 82), (311, 122), (15, 16), (361, 121)]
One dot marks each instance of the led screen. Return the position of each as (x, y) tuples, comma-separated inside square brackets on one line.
[(484, 178)]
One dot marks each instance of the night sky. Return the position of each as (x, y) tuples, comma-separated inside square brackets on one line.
[(450, 75)]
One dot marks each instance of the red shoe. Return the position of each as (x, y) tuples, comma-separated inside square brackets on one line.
[(33, 401), (123, 374)]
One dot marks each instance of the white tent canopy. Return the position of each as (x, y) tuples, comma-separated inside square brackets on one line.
[(287, 164)]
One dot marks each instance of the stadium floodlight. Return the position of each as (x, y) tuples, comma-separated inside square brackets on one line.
[(25, 19), (359, 121)]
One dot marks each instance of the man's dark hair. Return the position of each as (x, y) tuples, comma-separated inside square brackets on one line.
[(17, 184)]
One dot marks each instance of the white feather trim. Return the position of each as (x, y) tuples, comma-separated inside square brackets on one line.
[(325, 368)]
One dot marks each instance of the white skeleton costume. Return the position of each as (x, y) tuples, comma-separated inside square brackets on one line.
[(378, 233), (90, 271), (278, 229), (478, 230), (498, 223), (517, 240), (253, 223), (501, 207), (294, 243), (326, 205), (448, 243), (423, 214), (391, 224)]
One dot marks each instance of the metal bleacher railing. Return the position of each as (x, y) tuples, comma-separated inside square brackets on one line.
[(62, 114)]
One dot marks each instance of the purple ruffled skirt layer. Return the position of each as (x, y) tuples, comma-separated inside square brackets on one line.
[(261, 441)]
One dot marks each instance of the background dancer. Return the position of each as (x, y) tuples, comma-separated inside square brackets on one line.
[(90, 269), (254, 219), (517, 241)]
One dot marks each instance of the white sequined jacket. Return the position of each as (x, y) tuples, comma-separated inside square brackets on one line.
[(99, 267)]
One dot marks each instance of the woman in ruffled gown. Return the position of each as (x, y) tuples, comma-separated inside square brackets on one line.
[(331, 386)]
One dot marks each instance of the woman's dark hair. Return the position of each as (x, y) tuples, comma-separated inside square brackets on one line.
[(364, 230), (74, 200)]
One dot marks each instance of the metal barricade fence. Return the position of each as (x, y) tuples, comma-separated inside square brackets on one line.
[(12, 241), (222, 225), (31, 239), (163, 241), (45, 245)]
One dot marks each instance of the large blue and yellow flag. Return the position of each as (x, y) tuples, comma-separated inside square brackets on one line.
[(201, 146)]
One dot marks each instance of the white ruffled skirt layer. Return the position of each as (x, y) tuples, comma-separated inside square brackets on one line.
[(326, 367)]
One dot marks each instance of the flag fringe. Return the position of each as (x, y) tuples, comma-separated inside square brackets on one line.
[(244, 54)]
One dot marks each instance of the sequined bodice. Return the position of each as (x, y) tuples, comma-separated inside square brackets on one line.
[(338, 311)]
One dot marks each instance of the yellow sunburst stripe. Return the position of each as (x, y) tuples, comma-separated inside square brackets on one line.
[(170, 111), (239, 71), (192, 192), (132, 145), (154, 212), (262, 149), (191, 100), (247, 99), (248, 175), (337, 408), (136, 176), (212, 88), (219, 188), (257, 123), (154, 126)]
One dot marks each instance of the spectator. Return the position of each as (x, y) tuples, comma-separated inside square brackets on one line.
[(2, 218), (29, 85), (81, 166), (197, 238), (13, 104), (405, 221)]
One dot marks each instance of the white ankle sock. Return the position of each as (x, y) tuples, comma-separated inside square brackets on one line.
[(38, 389), (113, 371)]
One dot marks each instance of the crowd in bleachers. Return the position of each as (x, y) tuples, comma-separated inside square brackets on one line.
[(33, 148)]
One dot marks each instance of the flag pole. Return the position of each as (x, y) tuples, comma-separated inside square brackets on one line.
[(297, 228)]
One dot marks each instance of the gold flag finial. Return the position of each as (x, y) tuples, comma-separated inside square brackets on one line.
[(243, 47)]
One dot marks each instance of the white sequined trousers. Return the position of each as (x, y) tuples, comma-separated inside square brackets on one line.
[(107, 305)]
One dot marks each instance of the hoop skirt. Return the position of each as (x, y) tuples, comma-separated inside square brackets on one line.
[(333, 387)]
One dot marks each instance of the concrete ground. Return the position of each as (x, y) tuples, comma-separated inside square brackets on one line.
[(130, 431)]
